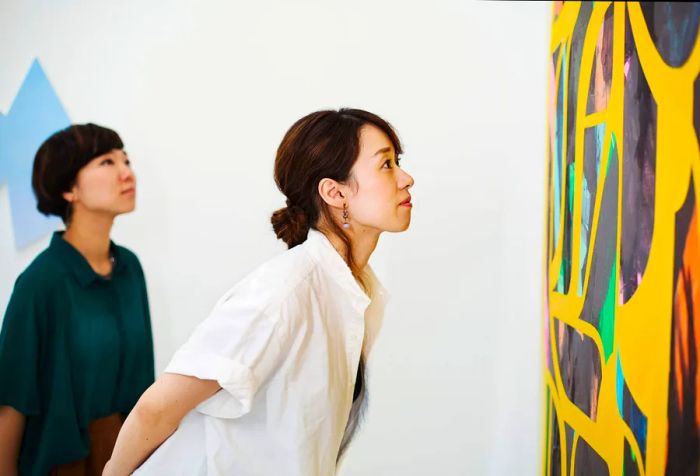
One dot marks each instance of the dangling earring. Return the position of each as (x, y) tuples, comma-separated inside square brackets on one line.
[(346, 225)]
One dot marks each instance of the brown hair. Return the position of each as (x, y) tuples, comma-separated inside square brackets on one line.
[(323, 144), (60, 158)]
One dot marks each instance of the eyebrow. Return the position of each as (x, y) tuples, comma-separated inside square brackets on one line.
[(383, 150)]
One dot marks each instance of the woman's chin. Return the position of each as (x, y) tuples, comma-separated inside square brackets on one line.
[(124, 210), (401, 226)]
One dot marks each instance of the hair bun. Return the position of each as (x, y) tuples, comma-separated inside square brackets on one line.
[(291, 225)]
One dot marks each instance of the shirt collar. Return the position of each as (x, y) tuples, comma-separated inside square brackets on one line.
[(77, 263), (321, 249)]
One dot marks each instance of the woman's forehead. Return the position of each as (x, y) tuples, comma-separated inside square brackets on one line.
[(373, 141)]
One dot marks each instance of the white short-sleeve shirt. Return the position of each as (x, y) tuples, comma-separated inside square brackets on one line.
[(284, 344)]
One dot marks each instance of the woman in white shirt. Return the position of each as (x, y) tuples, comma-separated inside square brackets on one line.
[(271, 382)]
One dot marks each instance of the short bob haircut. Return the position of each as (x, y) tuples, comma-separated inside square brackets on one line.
[(60, 158)]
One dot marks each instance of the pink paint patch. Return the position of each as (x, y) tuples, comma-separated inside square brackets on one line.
[(627, 67), (620, 294), (594, 397), (547, 350)]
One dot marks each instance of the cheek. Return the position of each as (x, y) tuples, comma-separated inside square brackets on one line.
[(378, 196), (95, 187), (385, 189)]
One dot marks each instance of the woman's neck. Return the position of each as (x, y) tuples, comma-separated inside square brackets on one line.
[(363, 244), (90, 236)]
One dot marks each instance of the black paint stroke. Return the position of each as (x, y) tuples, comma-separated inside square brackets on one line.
[(569, 443), (588, 461), (605, 55), (673, 26), (555, 446), (558, 145), (603, 258), (638, 171), (592, 152), (579, 367), (629, 465), (579, 34), (632, 415)]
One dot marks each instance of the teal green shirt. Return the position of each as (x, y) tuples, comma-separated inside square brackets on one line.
[(74, 347)]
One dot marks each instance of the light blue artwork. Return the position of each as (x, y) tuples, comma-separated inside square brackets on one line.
[(35, 114)]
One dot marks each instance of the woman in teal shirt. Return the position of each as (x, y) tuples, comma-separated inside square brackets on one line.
[(75, 346)]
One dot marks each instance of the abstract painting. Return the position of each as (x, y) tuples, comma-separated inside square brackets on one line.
[(621, 280)]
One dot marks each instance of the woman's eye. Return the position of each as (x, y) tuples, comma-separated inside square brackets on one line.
[(388, 163), (127, 162), (107, 162)]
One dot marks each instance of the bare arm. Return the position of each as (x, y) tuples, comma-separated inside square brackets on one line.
[(11, 432), (155, 417)]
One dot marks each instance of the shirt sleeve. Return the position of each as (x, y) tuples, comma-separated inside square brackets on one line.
[(239, 346), (20, 347)]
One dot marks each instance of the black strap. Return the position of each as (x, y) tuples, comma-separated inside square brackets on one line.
[(359, 381)]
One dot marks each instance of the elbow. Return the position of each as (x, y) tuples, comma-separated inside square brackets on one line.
[(152, 412)]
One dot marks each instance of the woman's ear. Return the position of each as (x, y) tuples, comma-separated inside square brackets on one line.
[(332, 192), (69, 196)]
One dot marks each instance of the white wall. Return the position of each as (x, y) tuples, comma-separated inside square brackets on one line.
[(202, 93)]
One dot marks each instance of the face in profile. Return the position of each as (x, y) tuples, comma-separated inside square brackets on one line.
[(105, 185), (379, 198)]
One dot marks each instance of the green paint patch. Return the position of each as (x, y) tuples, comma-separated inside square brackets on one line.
[(570, 186), (606, 323)]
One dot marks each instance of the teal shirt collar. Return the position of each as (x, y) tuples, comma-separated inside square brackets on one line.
[(77, 262)]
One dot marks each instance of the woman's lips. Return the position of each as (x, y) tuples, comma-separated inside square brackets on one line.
[(406, 203)]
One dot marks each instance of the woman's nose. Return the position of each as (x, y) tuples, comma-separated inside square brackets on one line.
[(406, 180), (126, 173)]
